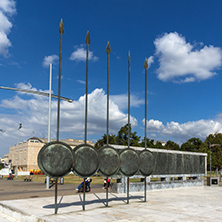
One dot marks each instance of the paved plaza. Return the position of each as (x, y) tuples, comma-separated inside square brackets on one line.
[(179, 204)]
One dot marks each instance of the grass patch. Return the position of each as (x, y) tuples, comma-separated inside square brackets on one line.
[(68, 179)]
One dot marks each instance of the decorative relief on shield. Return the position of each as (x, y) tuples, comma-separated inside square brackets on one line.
[(130, 162), (55, 159), (147, 162), (109, 161), (86, 161)]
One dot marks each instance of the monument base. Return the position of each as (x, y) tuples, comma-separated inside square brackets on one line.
[(139, 186)]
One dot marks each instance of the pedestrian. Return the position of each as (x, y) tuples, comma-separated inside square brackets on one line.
[(87, 185), (106, 183)]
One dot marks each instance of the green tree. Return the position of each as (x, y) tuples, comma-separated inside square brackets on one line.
[(216, 150), (103, 141), (149, 143), (158, 145), (192, 145), (172, 145), (122, 136), (1, 165)]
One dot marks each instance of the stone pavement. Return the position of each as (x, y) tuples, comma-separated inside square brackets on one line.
[(178, 204)]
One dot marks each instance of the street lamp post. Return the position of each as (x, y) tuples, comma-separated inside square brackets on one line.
[(211, 145), (20, 126)]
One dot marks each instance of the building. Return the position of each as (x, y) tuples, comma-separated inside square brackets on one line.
[(5, 160), (28, 152), (1, 160)]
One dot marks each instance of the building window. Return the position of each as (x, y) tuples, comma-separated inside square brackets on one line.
[(34, 141)]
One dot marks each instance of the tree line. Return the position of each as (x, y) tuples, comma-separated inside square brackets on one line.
[(192, 145)]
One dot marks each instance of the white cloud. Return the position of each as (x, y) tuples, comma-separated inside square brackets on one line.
[(33, 114), (4, 44), (50, 59), (122, 100), (81, 81), (28, 86), (182, 132), (182, 62), (150, 61), (8, 6), (22, 85), (7, 9), (80, 55)]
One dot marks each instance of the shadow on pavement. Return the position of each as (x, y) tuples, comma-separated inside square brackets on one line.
[(88, 202)]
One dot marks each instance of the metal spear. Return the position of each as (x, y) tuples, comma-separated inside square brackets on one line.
[(61, 30), (145, 67), (108, 51), (87, 40), (128, 119)]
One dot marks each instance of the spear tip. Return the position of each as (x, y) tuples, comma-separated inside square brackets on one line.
[(108, 48), (145, 64), (61, 27), (129, 56), (87, 38)]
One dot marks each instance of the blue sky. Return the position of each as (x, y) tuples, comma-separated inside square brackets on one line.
[(181, 39)]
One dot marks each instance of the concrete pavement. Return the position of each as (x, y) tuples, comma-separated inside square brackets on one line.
[(179, 204)]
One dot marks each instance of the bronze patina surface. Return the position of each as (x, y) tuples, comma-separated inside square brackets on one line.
[(147, 162), (109, 161), (130, 162), (55, 159), (86, 161)]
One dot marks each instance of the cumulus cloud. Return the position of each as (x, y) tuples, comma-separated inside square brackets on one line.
[(50, 59), (32, 112), (7, 9), (8, 6), (181, 61), (22, 85), (122, 100), (79, 55), (28, 86), (182, 132)]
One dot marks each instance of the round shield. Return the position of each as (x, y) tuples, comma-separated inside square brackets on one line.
[(147, 162), (109, 161), (55, 159), (86, 161), (130, 162)]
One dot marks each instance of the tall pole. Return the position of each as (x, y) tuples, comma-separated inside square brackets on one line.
[(108, 51), (87, 40), (61, 31), (128, 120), (49, 120), (145, 67), (210, 161), (20, 126)]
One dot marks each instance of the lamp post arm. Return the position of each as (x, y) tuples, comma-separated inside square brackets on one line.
[(36, 92)]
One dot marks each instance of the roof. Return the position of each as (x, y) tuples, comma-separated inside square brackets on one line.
[(70, 142)]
